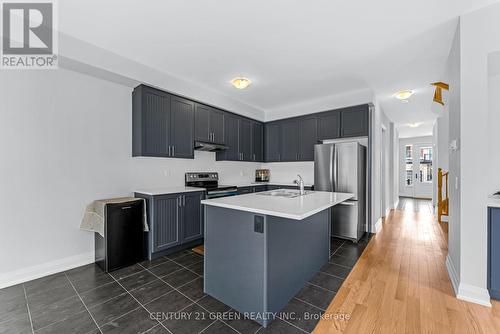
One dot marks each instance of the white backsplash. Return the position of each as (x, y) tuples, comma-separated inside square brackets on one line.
[(286, 172)]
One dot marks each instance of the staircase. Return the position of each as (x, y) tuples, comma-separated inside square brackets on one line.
[(443, 203)]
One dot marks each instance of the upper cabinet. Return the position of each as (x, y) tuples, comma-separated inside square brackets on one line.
[(182, 128), (231, 139), (289, 140), (158, 118), (272, 140), (209, 124), (308, 137), (166, 125), (329, 125), (258, 141), (244, 139), (354, 121)]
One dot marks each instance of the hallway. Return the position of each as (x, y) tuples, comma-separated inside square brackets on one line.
[(401, 285)]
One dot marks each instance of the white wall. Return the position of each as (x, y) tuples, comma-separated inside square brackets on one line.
[(403, 189), (493, 140), (379, 120), (453, 109), (471, 113), (65, 140)]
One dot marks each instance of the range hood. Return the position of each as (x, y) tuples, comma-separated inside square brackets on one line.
[(210, 147)]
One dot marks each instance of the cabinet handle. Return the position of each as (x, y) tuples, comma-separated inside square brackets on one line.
[(173, 150), (184, 200), (254, 157), (168, 150), (179, 201)]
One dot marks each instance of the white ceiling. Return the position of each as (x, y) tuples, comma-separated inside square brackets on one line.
[(294, 51)]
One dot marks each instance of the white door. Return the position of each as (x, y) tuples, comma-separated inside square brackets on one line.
[(422, 170)]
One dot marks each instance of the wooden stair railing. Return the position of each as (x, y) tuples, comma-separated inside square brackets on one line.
[(443, 204)]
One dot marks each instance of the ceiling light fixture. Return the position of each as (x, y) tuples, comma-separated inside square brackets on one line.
[(404, 94), (414, 125), (241, 82)]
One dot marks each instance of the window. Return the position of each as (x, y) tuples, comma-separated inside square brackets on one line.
[(409, 165), (425, 172)]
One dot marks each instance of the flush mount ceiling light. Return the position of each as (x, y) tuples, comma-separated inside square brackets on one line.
[(414, 125), (241, 82), (404, 94)]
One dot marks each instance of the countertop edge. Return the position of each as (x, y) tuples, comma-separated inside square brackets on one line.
[(272, 213), (168, 191)]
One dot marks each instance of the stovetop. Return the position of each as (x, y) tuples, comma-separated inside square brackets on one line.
[(207, 180)]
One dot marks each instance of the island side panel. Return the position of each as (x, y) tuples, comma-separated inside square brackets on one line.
[(234, 259), (297, 249)]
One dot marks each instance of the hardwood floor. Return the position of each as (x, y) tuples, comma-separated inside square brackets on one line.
[(400, 284)]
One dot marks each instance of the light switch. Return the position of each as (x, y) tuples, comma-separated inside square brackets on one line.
[(456, 182)]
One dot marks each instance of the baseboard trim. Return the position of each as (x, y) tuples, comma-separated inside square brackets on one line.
[(44, 269), (378, 226), (466, 292), (453, 274), (474, 294)]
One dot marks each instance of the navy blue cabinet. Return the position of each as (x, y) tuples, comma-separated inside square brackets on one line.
[(209, 124), (308, 137), (175, 221), (258, 141), (272, 140), (163, 124), (494, 252), (329, 125), (354, 121), (289, 150)]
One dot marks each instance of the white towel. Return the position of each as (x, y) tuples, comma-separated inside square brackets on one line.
[(93, 218)]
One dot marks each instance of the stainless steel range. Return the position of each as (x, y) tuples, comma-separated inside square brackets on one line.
[(210, 181)]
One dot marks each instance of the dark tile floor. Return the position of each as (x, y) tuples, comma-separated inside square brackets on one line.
[(160, 296)]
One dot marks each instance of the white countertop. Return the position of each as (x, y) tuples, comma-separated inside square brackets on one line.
[(293, 208), (494, 201), (167, 190), (254, 184)]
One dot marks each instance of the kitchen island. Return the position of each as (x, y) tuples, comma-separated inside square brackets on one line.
[(261, 248)]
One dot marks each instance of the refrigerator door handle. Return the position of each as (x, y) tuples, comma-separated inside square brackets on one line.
[(348, 203), (335, 168), (332, 156)]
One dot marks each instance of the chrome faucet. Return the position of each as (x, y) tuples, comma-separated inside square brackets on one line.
[(300, 183)]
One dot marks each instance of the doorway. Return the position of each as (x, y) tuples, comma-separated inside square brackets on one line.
[(416, 169)]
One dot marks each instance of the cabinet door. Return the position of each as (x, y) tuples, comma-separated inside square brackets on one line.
[(166, 222), (354, 121), (152, 122), (272, 142), (217, 126), (245, 140), (259, 189), (182, 128), (192, 223), (258, 141), (329, 125), (201, 122), (308, 137), (230, 138), (290, 140)]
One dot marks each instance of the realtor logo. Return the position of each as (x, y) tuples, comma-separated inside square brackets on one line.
[(28, 35)]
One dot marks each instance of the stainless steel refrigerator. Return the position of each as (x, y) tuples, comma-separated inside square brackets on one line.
[(341, 167)]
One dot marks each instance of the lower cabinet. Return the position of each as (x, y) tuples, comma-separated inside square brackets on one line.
[(175, 220), (260, 188), (494, 252)]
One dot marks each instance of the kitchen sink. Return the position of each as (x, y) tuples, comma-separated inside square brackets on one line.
[(287, 193)]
